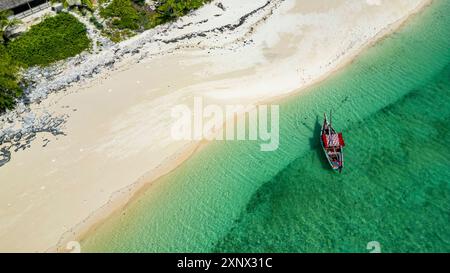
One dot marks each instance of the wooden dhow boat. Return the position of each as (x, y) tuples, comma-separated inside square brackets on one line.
[(333, 145)]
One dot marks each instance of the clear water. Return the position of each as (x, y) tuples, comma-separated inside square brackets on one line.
[(393, 105)]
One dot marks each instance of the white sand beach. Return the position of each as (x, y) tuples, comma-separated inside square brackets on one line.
[(117, 124)]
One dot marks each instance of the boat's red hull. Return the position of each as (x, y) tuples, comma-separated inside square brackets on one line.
[(333, 146)]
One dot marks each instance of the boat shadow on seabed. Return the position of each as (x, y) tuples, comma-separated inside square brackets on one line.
[(315, 145)]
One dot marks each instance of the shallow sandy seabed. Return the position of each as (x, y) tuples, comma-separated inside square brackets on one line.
[(118, 127)]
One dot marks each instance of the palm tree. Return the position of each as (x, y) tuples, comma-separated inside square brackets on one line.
[(5, 24)]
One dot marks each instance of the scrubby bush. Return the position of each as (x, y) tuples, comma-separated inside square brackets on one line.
[(53, 39), (9, 83), (9, 86), (139, 2), (96, 23), (171, 9), (122, 13), (135, 15)]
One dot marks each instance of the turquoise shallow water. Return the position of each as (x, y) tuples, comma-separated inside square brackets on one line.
[(393, 105)]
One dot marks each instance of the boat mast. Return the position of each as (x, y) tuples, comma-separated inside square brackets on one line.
[(330, 117), (329, 131), (330, 139)]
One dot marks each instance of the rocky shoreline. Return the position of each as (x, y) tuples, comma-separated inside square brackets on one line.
[(19, 127), (13, 140)]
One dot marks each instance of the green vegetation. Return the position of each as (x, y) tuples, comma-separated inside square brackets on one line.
[(63, 36), (3, 24), (95, 22), (123, 14), (9, 83), (85, 3), (6, 23), (88, 4), (123, 19), (171, 9), (139, 2), (53, 39), (127, 17)]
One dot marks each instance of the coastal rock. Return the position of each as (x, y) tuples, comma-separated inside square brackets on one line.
[(41, 81), (19, 134), (221, 6)]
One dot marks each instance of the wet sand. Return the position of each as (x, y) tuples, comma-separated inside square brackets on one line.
[(118, 130)]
